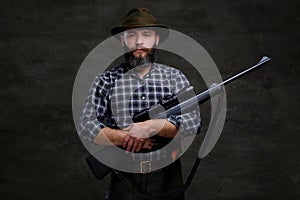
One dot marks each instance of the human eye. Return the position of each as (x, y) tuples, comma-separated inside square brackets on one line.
[(147, 34), (130, 35)]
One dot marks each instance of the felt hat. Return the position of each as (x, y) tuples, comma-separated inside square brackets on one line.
[(138, 18)]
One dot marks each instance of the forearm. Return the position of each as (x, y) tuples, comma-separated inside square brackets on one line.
[(109, 136), (164, 128)]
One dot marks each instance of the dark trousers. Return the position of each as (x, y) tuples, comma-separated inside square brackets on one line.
[(167, 180)]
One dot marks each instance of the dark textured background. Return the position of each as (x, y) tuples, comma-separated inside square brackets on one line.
[(44, 42)]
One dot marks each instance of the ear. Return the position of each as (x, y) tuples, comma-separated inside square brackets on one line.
[(122, 39), (156, 39)]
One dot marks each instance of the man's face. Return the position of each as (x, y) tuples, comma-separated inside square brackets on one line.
[(140, 41), (140, 44)]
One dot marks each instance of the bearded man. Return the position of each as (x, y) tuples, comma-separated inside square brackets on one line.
[(117, 94)]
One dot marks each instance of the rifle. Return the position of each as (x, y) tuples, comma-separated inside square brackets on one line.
[(171, 106)]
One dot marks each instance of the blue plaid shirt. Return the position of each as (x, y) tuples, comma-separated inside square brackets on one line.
[(126, 93)]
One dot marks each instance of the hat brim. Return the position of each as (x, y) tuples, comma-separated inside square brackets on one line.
[(162, 30)]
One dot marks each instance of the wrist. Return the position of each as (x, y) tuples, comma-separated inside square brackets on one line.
[(157, 125), (164, 128)]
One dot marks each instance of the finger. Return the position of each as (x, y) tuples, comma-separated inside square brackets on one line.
[(150, 141), (129, 144), (148, 144), (140, 145), (134, 147), (125, 140)]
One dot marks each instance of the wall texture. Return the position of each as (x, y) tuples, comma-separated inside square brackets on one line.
[(44, 42)]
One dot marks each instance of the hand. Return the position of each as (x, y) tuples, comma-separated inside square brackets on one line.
[(145, 129), (133, 144)]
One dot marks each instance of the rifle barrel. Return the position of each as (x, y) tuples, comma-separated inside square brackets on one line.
[(207, 94)]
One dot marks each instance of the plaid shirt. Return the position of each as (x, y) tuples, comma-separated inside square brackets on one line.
[(126, 93)]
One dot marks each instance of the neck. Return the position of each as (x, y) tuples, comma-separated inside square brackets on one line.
[(141, 71)]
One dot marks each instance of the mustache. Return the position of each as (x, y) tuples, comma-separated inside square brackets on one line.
[(134, 62), (147, 50)]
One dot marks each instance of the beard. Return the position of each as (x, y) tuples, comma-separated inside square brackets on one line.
[(134, 61)]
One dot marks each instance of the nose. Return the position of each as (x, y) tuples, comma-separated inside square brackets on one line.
[(139, 40)]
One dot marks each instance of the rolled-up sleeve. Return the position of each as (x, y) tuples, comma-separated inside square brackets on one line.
[(188, 122), (94, 110)]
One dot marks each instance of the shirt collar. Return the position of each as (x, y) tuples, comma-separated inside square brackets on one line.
[(154, 67)]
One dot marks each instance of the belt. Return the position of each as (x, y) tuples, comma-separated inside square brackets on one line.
[(147, 163)]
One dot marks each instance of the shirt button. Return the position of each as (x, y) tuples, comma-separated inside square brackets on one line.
[(143, 97), (142, 82)]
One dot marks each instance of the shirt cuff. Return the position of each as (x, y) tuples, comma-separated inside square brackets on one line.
[(174, 121)]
